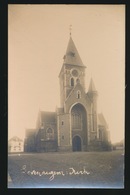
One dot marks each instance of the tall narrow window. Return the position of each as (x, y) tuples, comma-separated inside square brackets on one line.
[(78, 94), (50, 133), (72, 82)]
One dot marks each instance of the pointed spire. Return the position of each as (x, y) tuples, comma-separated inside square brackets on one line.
[(70, 28), (101, 120), (92, 86), (72, 56)]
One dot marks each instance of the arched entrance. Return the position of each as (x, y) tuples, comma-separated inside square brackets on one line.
[(76, 143), (79, 127)]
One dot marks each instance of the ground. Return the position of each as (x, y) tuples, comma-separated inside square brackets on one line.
[(67, 170)]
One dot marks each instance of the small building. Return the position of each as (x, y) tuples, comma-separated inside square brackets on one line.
[(119, 145), (15, 144)]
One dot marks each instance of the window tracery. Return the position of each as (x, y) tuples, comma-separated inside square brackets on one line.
[(76, 119), (50, 133)]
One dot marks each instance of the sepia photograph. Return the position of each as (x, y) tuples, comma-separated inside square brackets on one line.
[(66, 96)]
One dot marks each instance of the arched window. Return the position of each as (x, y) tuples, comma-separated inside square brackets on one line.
[(78, 94), (72, 82), (50, 133), (76, 119)]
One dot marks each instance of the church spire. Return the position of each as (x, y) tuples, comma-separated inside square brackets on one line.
[(70, 28), (92, 86), (72, 56)]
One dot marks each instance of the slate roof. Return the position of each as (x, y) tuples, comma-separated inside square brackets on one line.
[(72, 56), (15, 138), (48, 117), (102, 121), (30, 132)]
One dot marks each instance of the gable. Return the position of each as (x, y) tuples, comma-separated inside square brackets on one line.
[(15, 138), (77, 87), (73, 97), (45, 116)]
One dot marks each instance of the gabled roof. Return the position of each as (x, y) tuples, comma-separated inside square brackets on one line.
[(30, 132), (92, 87), (72, 56), (15, 138), (102, 121), (48, 117)]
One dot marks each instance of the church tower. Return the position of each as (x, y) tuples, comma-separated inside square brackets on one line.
[(72, 71), (72, 117)]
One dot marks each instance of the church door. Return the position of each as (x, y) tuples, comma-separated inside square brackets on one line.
[(76, 143)]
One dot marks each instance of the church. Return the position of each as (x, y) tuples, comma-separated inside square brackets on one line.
[(75, 125)]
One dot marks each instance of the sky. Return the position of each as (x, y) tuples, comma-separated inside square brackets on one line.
[(38, 36)]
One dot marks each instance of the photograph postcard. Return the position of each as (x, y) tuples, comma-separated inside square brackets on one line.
[(66, 96)]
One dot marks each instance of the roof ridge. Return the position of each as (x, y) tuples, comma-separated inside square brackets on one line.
[(48, 111)]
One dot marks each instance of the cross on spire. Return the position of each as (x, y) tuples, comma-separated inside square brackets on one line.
[(70, 28)]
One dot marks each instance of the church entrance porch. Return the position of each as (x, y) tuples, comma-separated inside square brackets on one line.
[(76, 143)]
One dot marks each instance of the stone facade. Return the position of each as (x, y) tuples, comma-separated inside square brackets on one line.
[(76, 125)]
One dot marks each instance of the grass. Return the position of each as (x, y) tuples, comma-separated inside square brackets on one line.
[(67, 170)]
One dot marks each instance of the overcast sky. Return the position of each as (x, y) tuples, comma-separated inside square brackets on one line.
[(38, 36)]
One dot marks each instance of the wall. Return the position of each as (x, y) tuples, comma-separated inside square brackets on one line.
[(64, 130), (15, 146)]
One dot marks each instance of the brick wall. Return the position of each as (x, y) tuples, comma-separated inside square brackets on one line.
[(64, 130)]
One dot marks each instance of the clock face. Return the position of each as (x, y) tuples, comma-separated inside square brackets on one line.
[(75, 73)]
